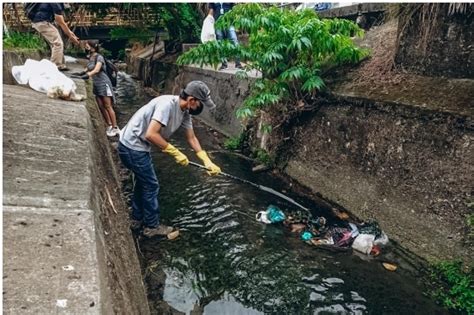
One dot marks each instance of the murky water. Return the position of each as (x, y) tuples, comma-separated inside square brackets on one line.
[(224, 262)]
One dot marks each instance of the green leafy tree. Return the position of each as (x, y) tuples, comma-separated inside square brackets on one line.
[(289, 48)]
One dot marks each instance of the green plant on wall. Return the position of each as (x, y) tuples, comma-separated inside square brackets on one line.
[(455, 286), (234, 143), (23, 41), (288, 48), (263, 157)]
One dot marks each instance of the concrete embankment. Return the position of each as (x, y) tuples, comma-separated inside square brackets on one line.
[(66, 243)]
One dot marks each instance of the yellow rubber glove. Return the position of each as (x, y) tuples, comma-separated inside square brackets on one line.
[(178, 156), (213, 168)]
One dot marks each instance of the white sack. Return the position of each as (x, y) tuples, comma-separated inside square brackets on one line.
[(43, 76), (382, 240), (208, 33)]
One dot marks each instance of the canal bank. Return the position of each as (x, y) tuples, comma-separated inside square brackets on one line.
[(400, 154), (66, 240)]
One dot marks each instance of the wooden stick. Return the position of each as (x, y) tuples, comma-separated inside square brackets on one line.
[(110, 199)]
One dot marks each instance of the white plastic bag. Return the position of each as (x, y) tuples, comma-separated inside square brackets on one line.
[(262, 216), (382, 240), (364, 243), (208, 33)]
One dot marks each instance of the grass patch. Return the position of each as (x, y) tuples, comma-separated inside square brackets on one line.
[(454, 286), (263, 157), (24, 41)]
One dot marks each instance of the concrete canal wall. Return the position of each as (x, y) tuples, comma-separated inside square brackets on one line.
[(66, 241)]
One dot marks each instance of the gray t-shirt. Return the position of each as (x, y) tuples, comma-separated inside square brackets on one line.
[(164, 109)]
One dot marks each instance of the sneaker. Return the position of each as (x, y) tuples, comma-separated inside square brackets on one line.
[(135, 225), (63, 68), (223, 67), (160, 230), (113, 132), (109, 128), (239, 66)]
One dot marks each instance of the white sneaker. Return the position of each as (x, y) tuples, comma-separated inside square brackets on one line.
[(109, 128), (113, 132)]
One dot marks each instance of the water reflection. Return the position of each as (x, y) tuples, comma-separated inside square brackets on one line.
[(224, 262)]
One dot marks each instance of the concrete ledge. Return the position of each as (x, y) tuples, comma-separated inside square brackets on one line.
[(64, 251), (50, 248), (353, 10)]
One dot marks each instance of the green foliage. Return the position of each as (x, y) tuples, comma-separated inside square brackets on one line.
[(23, 41), (180, 20), (287, 47), (121, 54), (263, 157), (234, 143), (456, 286), (266, 128), (132, 34)]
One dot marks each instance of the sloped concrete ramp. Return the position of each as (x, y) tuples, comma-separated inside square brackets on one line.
[(50, 263)]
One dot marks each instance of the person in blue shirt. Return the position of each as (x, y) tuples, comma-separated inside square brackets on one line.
[(216, 10), (42, 18)]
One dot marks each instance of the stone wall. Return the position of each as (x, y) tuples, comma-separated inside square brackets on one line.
[(411, 169), (443, 49), (227, 91)]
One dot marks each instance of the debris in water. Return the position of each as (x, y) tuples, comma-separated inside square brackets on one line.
[(260, 168), (173, 235), (389, 266)]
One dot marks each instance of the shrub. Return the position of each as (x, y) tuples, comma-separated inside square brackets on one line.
[(24, 41), (234, 143), (455, 288), (263, 157)]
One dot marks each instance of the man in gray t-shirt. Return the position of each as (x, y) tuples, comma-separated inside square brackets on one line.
[(154, 123)]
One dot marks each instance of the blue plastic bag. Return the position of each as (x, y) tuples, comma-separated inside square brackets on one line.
[(306, 236), (274, 214)]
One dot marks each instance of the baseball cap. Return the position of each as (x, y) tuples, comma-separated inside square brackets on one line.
[(199, 90)]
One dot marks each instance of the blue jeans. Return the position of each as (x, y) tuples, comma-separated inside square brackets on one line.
[(232, 35), (145, 194)]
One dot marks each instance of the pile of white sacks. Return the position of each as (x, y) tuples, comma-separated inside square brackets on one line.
[(43, 76)]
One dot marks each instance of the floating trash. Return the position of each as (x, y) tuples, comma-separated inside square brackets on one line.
[(389, 266)]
